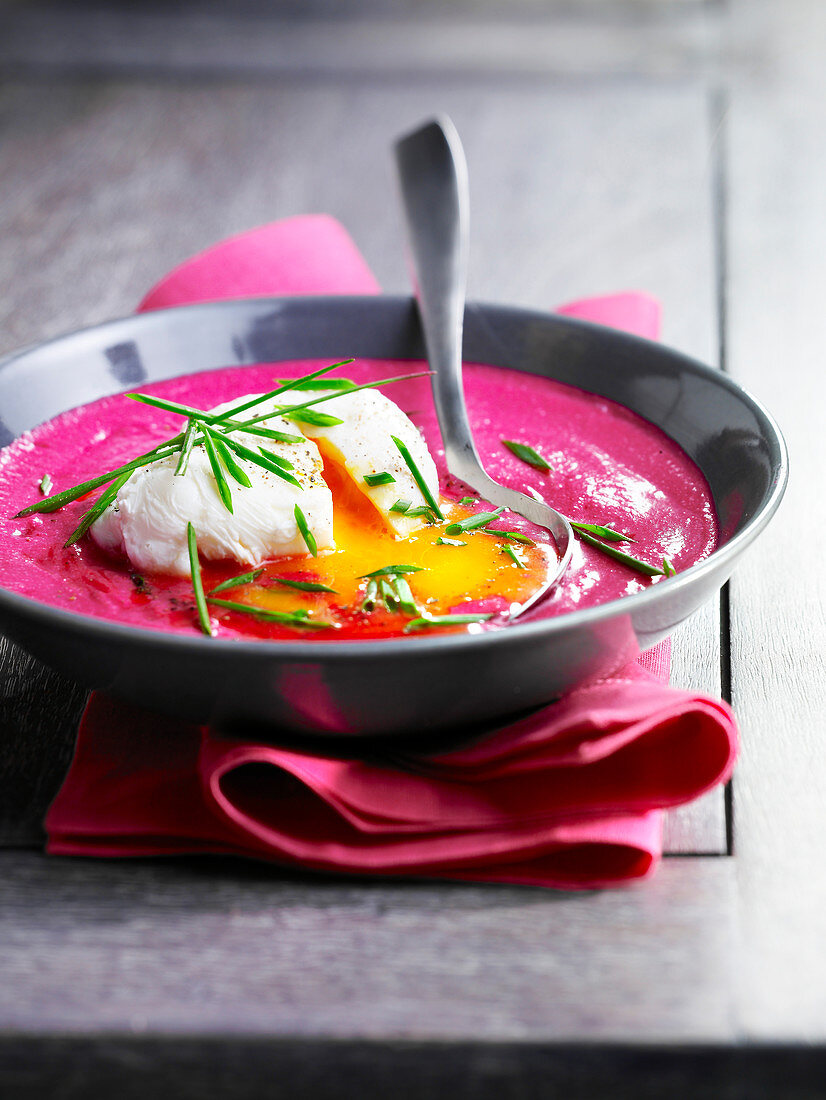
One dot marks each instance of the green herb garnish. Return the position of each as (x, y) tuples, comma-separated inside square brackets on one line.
[(600, 532), (444, 620), (384, 478), (390, 570), (401, 506), (527, 454), (306, 533), (312, 416), (186, 447), (441, 541), (236, 582), (197, 582), (517, 536), (304, 586), (340, 384), (97, 509), (279, 460), (221, 483), (45, 485), (261, 458), (406, 602), (264, 433), (371, 593), (618, 555), (417, 477), (422, 510), (511, 553), (668, 568), (472, 522), (286, 618), (234, 410), (229, 462), (285, 410), (468, 500), (387, 590)]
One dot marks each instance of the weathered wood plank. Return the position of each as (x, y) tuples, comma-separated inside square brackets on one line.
[(199, 947), (778, 331), (574, 190)]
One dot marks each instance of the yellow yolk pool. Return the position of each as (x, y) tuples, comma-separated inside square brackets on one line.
[(448, 575)]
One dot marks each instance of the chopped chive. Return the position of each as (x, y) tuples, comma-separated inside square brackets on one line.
[(618, 555), (527, 454), (384, 478), (213, 418), (264, 433), (287, 618), (306, 533), (422, 510), (389, 570), (417, 476), (45, 485), (284, 463), (472, 522), (444, 620), (229, 462), (400, 506), (235, 582), (668, 568), (186, 448), (406, 602), (285, 409), (304, 586), (197, 582), (221, 483), (387, 590), (293, 384), (327, 384), (509, 550), (468, 500), (168, 406), (371, 592), (259, 459), (97, 509), (600, 532), (441, 541), (517, 536), (311, 416)]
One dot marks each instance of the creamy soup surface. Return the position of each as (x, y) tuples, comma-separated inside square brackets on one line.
[(607, 466)]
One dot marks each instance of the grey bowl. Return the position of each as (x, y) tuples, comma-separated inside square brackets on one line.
[(417, 685)]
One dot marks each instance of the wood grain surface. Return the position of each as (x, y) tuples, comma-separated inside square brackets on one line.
[(675, 147)]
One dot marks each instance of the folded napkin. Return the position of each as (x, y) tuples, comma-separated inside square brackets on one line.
[(571, 796)]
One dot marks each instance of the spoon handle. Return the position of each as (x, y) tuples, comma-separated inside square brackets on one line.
[(433, 177)]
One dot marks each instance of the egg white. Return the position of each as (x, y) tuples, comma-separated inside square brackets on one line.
[(148, 519)]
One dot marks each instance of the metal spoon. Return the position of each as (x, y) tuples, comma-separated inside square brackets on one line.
[(433, 176)]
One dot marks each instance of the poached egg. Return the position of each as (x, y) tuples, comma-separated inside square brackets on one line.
[(148, 519)]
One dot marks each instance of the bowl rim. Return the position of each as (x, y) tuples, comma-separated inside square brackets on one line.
[(388, 648)]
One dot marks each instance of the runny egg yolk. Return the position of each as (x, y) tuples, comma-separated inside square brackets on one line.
[(449, 577)]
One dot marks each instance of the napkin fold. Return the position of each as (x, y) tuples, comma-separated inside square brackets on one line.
[(571, 796)]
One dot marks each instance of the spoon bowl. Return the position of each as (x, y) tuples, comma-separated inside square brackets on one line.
[(433, 176)]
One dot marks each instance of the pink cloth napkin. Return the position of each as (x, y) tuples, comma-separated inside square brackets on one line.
[(569, 797)]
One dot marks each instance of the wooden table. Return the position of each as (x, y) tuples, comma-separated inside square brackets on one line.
[(672, 146)]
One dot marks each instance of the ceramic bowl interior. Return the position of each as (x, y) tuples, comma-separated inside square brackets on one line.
[(416, 686)]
